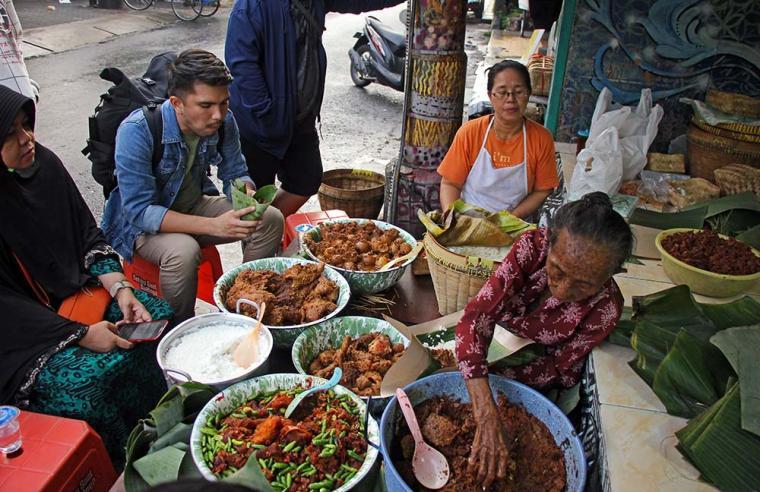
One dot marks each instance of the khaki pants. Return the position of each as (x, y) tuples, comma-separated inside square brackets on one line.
[(179, 255)]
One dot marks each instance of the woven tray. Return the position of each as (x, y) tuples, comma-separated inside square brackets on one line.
[(456, 278), (357, 192), (729, 131)]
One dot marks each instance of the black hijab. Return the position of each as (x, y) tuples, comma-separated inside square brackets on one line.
[(47, 226)]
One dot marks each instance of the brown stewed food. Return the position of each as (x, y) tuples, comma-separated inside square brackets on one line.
[(535, 461), (355, 246), (708, 251), (298, 295)]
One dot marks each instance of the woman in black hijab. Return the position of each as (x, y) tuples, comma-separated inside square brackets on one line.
[(50, 249)]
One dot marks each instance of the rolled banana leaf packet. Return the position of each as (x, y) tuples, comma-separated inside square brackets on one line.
[(242, 197)]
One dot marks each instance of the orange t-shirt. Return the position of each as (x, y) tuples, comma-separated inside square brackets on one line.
[(542, 167)]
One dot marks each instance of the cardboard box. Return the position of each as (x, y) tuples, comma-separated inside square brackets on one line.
[(644, 246)]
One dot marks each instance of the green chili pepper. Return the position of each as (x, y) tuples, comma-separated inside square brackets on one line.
[(346, 467), (289, 446), (309, 472), (262, 463), (289, 479), (350, 476), (324, 489), (259, 446), (208, 431), (355, 455), (279, 465), (345, 407), (237, 442), (319, 485), (324, 425), (238, 415), (302, 466), (342, 434), (319, 442), (295, 449)]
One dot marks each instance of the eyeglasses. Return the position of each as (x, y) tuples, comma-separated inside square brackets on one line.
[(517, 94)]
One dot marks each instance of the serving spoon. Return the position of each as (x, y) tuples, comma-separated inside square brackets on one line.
[(430, 466), (247, 350), (401, 259), (334, 380)]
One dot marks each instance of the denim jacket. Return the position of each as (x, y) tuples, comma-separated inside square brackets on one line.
[(143, 195)]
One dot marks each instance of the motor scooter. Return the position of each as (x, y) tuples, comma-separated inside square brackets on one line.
[(378, 55)]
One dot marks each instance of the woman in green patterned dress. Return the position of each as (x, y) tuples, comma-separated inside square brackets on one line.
[(51, 248)]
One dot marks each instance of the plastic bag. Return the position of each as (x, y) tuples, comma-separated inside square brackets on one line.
[(636, 128), (599, 167)]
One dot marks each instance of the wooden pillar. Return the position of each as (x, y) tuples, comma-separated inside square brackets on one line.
[(433, 107)]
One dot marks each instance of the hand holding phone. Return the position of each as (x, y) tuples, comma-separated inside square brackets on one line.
[(142, 332)]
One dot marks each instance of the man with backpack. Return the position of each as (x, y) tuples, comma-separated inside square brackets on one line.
[(274, 50), (163, 212)]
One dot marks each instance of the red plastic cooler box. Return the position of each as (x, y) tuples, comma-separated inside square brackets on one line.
[(57, 454), (312, 218)]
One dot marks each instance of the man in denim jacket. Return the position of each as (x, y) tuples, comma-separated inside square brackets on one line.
[(164, 213)]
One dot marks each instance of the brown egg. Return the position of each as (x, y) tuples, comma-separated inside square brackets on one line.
[(404, 248), (369, 260), (362, 246)]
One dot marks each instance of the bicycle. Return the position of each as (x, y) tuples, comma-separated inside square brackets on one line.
[(186, 10)]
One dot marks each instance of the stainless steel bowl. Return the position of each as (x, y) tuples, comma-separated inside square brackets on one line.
[(179, 375)]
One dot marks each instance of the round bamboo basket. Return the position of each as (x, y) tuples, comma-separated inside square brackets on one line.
[(456, 278), (357, 192), (745, 136), (733, 103), (707, 152)]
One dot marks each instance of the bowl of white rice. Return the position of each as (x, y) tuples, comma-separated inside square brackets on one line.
[(200, 349)]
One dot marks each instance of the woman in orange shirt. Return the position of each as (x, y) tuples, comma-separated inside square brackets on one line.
[(504, 161)]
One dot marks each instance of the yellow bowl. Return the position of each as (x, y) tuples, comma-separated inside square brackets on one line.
[(701, 281)]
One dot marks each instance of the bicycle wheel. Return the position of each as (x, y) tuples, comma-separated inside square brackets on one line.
[(138, 4), (187, 10), (209, 7)]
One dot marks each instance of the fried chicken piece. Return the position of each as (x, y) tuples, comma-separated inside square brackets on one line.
[(296, 433), (315, 309), (325, 288), (267, 430), (381, 365), (439, 430), (380, 346), (303, 275), (369, 380)]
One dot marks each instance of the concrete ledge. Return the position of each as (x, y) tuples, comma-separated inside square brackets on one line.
[(63, 37)]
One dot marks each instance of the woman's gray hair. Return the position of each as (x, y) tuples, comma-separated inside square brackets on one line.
[(593, 218)]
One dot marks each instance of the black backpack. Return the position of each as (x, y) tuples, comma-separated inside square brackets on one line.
[(126, 95)]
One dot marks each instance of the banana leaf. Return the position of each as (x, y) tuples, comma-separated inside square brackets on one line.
[(724, 453), (692, 376), (741, 312), (741, 346), (260, 199), (251, 476), (730, 215), (159, 442), (751, 237)]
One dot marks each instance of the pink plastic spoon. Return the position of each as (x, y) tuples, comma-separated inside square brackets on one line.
[(430, 466)]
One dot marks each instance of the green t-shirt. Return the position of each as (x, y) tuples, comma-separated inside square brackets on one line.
[(190, 191)]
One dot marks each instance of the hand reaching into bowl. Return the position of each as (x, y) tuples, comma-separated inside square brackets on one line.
[(489, 455)]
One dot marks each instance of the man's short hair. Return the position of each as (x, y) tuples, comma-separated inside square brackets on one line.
[(197, 66)]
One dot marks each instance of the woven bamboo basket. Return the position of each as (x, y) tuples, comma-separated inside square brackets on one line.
[(707, 152), (738, 178), (456, 278), (746, 134), (357, 192), (540, 69)]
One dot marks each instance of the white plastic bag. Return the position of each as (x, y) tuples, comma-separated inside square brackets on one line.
[(636, 128), (599, 167)]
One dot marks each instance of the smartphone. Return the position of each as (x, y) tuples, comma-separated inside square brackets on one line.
[(142, 332)]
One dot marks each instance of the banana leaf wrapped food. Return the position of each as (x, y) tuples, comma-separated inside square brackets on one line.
[(242, 197)]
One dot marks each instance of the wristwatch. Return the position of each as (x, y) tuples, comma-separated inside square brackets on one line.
[(121, 284)]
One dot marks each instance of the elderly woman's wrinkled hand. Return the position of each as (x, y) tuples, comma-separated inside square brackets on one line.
[(131, 308), (489, 456), (101, 337)]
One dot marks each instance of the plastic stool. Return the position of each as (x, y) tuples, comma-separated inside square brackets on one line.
[(57, 454), (144, 274), (312, 218)]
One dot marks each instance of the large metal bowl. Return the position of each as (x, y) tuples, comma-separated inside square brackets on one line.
[(451, 384), (234, 396), (367, 282), (283, 336), (204, 321)]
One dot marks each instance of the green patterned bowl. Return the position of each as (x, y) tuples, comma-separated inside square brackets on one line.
[(283, 336), (367, 282), (237, 394), (329, 334)]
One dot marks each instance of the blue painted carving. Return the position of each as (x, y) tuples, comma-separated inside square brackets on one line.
[(676, 47)]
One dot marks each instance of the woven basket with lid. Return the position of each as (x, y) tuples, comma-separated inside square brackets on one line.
[(358, 192), (708, 151), (456, 278), (540, 69)]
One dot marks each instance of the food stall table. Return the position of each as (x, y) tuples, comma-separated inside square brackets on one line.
[(637, 449)]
